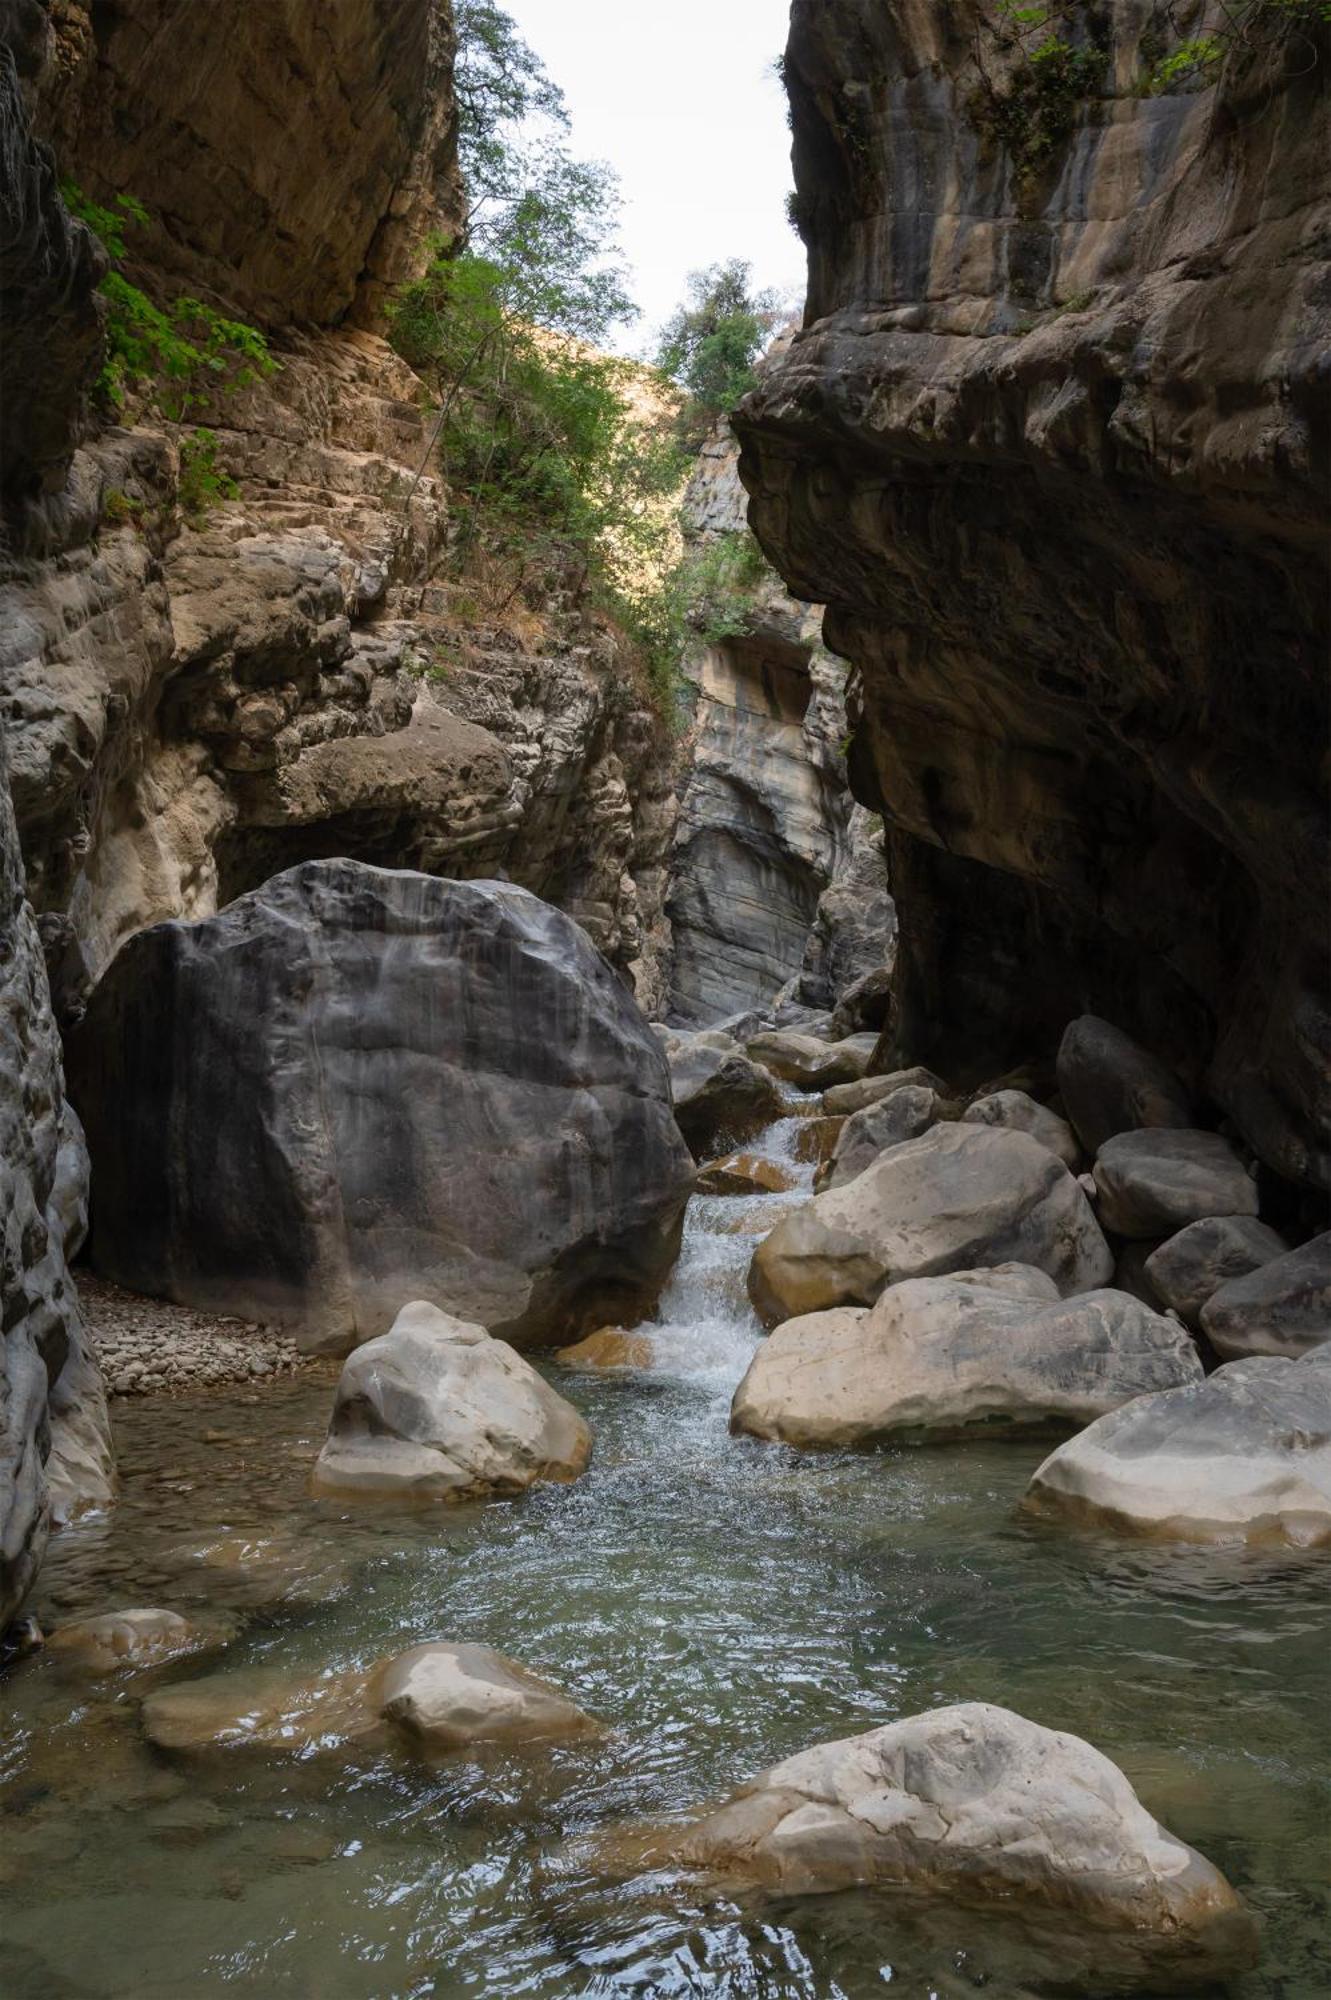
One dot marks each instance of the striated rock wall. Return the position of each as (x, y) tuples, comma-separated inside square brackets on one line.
[(1052, 450), (768, 836)]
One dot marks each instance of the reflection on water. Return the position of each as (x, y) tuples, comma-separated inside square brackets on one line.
[(722, 1602)]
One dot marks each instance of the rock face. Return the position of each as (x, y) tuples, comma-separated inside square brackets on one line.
[(1151, 1183), (437, 1410), (1283, 1307), (954, 1199), (775, 876), (358, 1086), (977, 1805), (1187, 1269), (1244, 1456), (938, 1355), (1050, 451)]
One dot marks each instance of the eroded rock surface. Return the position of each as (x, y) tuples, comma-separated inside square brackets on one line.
[(437, 1410), (939, 1355), (359, 1086), (959, 1197), (1050, 450), (1244, 1456)]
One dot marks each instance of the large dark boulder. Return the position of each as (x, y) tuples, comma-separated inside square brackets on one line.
[(355, 1087)]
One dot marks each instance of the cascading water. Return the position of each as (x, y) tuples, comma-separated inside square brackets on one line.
[(720, 1602)]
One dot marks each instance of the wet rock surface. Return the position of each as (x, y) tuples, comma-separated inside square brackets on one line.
[(444, 1698), (958, 1197), (1244, 1456), (437, 1410), (937, 1355), (358, 1086), (719, 1093)]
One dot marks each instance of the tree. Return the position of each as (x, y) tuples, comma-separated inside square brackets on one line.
[(710, 346)]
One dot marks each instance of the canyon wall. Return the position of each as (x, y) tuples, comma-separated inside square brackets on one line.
[(768, 840), (1051, 448)]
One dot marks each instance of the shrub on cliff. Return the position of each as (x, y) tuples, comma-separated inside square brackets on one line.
[(710, 346)]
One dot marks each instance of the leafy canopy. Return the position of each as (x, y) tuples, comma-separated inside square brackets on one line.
[(711, 344)]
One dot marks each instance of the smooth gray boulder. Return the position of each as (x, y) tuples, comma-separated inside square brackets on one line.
[(890, 1122), (357, 1086), (972, 1805), (1282, 1308), (811, 1064), (1151, 1183), (938, 1355), (959, 1197), (721, 1097), (437, 1410), (1109, 1084), (1014, 1111), (843, 1100), (1189, 1267), (1244, 1456)]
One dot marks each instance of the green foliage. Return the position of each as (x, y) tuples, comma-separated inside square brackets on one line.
[(1188, 63), (173, 354), (203, 483), (712, 342)]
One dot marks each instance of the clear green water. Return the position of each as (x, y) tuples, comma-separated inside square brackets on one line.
[(722, 1603)]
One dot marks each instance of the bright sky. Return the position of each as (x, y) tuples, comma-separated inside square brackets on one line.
[(683, 104)]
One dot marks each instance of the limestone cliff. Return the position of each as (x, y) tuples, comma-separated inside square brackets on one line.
[(1051, 447), (769, 839), (196, 700)]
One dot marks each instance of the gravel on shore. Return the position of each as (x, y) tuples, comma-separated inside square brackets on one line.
[(152, 1347)]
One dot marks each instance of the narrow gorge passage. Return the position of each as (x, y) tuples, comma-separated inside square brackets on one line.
[(719, 1602)]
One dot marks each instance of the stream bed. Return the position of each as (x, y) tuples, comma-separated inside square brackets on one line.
[(721, 1602)]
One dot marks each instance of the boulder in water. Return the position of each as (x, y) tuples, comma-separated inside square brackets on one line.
[(437, 1410), (1189, 1267), (1153, 1182), (1014, 1111), (444, 1697), (357, 1086), (1244, 1456), (744, 1173), (721, 1097), (975, 1805), (1281, 1308), (810, 1064), (939, 1355), (1110, 1084), (607, 1351), (119, 1639), (961, 1196)]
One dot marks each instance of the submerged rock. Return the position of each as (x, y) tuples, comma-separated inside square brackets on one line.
[(357, 1086), (941, 1354), (976, 1805), (1014, 1111), (1110, 1084), (1244, 1456), (1152, 1182), (1188, 1268), (903, 1115), (959, 1197), (437, 1410), (720, 1095), (1282, 1308), (744, 1173), (447, 1697), (137, 1638), (811, 1064)]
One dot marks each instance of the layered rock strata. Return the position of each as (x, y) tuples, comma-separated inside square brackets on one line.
[(1051, 450)]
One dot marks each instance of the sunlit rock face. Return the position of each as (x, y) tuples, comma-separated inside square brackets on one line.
[(767, 832), (1050, 451)]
